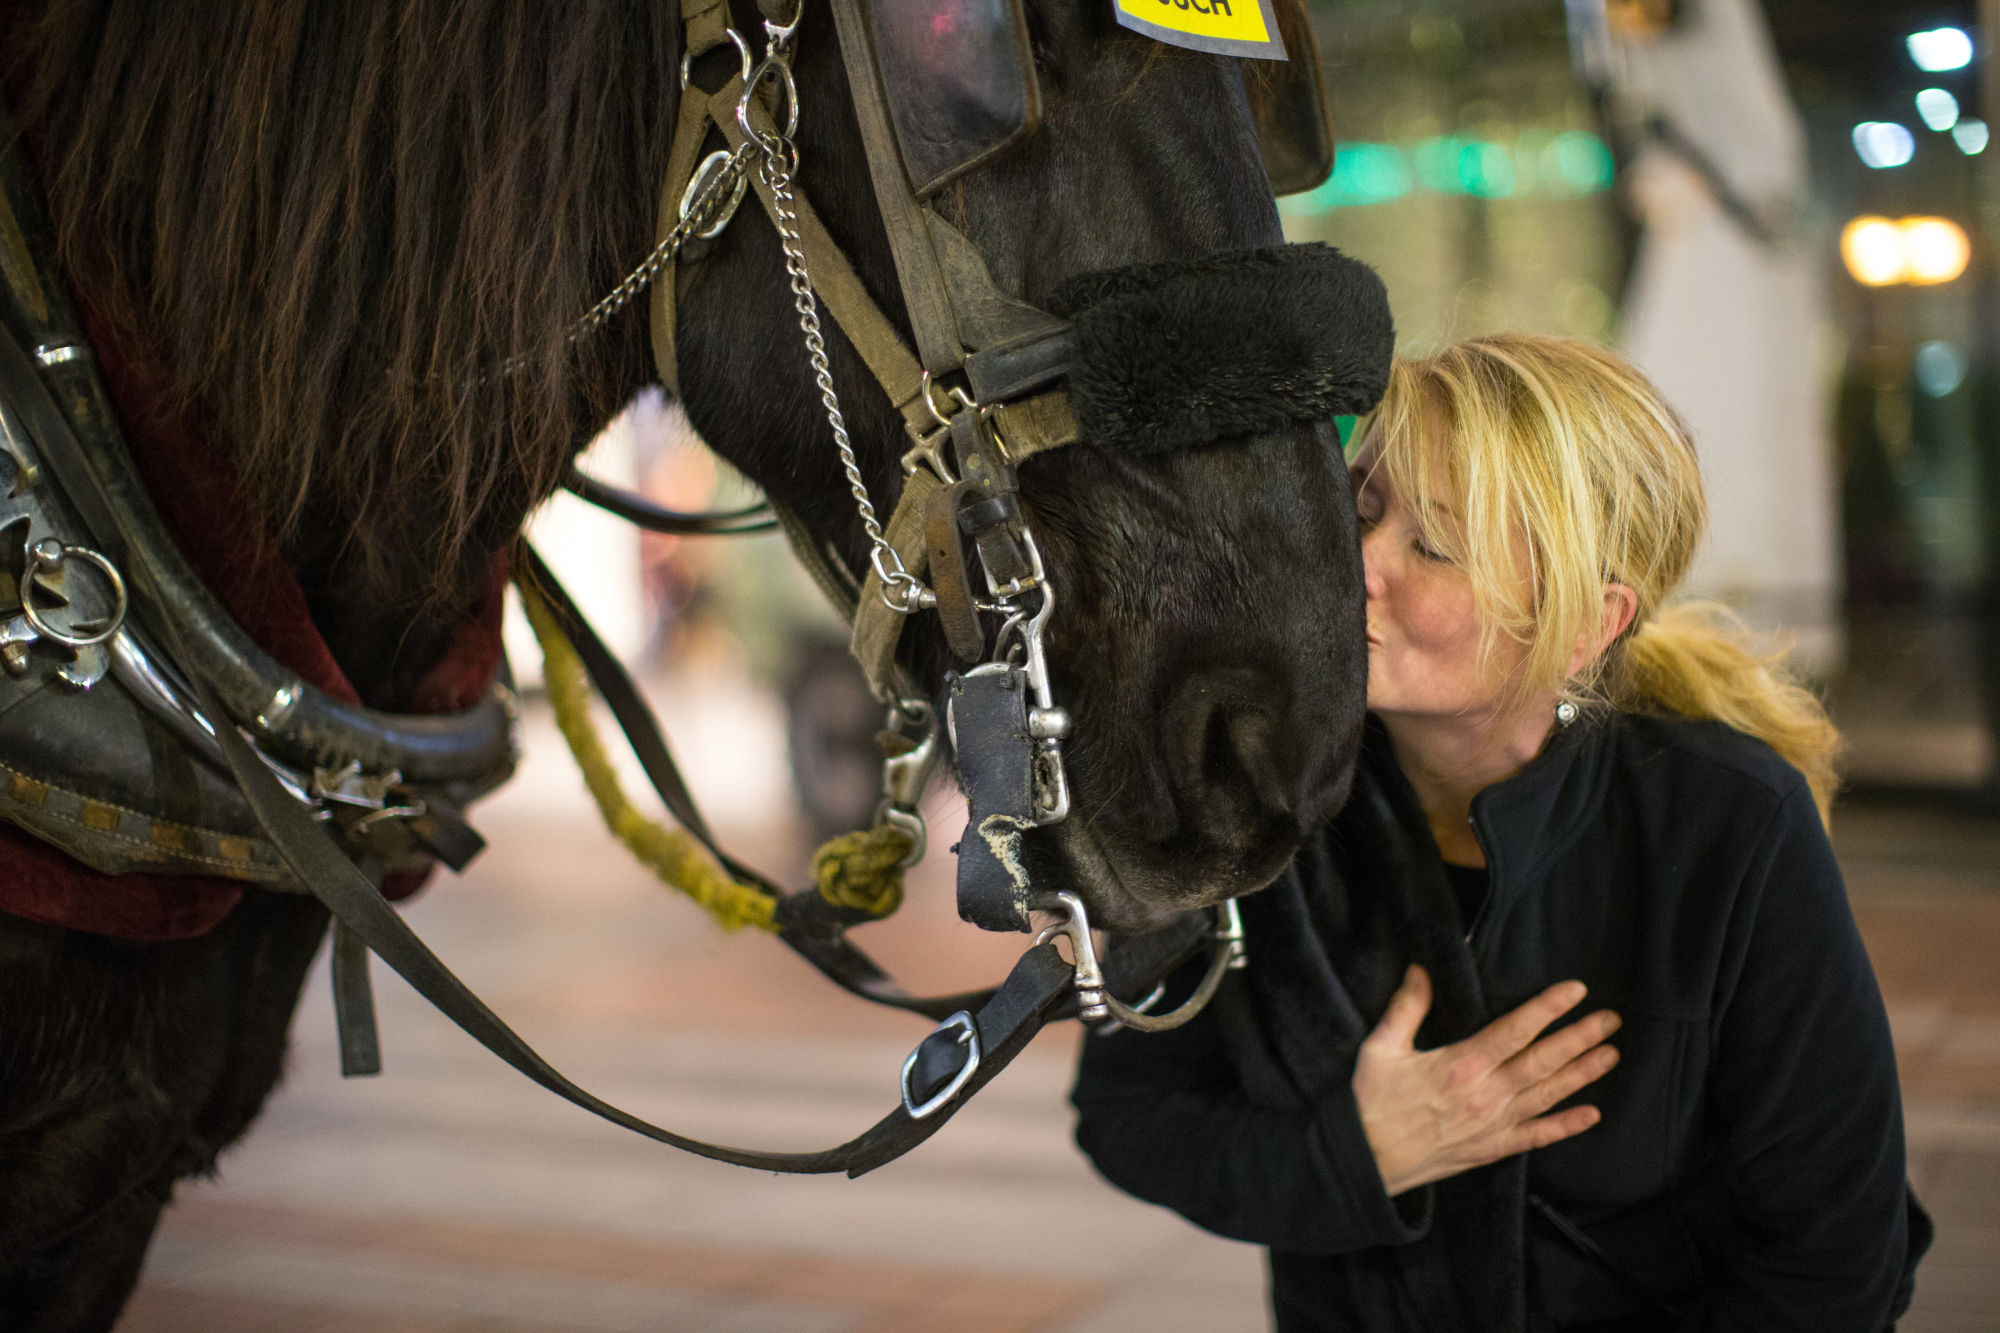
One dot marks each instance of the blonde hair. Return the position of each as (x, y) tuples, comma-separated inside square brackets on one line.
[(1562, 454)]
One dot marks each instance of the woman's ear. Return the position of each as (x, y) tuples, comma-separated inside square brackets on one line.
[(1620, 605)]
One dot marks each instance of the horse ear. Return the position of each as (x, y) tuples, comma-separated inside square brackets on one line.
[(1288, 99)]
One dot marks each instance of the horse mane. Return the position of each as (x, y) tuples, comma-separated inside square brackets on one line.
[(333, 225)]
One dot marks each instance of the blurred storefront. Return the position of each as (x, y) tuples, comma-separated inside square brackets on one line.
[(1676, 177)]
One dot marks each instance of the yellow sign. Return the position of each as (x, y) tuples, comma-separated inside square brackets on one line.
[(1223, 27)]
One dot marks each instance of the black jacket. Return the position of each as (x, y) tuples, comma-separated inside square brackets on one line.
[(1748, 1171)]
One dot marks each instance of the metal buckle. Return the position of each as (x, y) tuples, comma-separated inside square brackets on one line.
[(968, 1037), (929, 448)]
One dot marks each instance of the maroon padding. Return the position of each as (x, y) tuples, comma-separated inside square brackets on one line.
[(196, 492)]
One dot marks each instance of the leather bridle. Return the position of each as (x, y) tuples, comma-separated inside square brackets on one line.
[(294, 757)]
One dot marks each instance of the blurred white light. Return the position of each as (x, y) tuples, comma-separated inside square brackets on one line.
[(1873, 250), (1935, 250), (1970, 135), (1938, 108), (1884, 143), (1940, 49), (1940, 369)]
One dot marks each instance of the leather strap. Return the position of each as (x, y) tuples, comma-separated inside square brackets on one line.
[(939, 345), (945, 554), (354, 1005), (690, 133), (829, 574), (635, 719), (1034, 425), (877, 629), (834, 280), (1033, 991), (641, 512)]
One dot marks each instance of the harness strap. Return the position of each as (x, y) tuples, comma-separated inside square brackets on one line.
[(877, 629), (1033, 991), (706, 25), (685, 154), (925, 295), (835, 282), (831, 576), (1035, 425)]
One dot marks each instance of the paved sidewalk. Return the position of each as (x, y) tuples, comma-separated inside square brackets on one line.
[(450, 1194)]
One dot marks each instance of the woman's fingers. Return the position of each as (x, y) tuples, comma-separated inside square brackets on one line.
[(1553, 1052), (1508, 1035), (1578, 1073), (1406, 1010), (1532, 1134)]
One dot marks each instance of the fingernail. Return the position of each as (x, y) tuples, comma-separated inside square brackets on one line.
[(1574, 991), (1611, 1022)]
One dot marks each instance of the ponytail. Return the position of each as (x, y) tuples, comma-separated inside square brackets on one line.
[(1696, 660)]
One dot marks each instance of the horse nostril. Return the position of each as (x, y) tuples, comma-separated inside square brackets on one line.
[(1227, 753)]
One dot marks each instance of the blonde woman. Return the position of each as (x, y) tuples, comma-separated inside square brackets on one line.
[(1570, 785)]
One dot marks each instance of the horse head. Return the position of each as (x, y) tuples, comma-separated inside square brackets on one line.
[(1209, 644)]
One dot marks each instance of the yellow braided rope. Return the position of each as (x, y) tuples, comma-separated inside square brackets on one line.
[(674, 855), (863, 870)]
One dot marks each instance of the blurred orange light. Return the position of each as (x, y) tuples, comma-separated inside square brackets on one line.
[(1872, 248), (1921, 251), (1935, 250)]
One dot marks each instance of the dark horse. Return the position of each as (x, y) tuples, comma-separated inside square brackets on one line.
[(302, 233)]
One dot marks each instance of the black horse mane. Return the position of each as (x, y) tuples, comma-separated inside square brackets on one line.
[(332, 224)]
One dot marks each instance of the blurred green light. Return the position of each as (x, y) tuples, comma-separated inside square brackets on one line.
[(1537, 163), (1580, 161), (1363, 173), (1437, 163), (1485, 170)]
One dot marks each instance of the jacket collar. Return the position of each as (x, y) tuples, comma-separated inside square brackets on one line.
[(1528, 820)]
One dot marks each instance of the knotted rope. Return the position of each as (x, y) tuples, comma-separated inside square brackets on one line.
[(863, 870)]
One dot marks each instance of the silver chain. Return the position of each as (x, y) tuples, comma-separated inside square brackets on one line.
[(901, 590), (701, 212)]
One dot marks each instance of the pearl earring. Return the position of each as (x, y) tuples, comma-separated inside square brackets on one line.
[(1565, 713)]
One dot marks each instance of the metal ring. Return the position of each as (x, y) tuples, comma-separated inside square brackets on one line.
[(704, 177), (968, 1037), (773, 66), (40, 559), (963, 398), (742, 50)]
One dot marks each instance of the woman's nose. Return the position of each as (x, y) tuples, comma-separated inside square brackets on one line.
[(1371, 563)]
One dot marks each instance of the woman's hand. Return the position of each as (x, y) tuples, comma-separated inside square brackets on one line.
[(1433, 1114)]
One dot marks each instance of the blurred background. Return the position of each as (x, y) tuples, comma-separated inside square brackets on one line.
[(1784, 210)]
